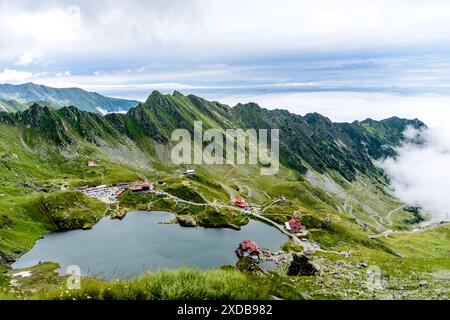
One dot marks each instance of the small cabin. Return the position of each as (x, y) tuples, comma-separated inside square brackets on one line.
[(141, 188), (294, 226), (240, 202), (136, 189), (91, 164), (189, 173)]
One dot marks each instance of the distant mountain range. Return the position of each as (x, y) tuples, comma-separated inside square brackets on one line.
[(20, 97), (310, 141)]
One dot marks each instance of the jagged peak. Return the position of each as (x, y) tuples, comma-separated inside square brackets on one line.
[(368, 120), (35, 107), (71, 107), (316, 117), (177, 94), (156, 98), (252, 105), (155, 94)]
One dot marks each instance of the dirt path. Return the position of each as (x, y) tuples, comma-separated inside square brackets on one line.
[(207, 204), (269, 206), (415, 231), (245, 187), (348, 209), (276, 225), (388, 216), (305, 244), (230, 191)]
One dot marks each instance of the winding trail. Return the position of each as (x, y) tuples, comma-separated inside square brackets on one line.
[(278, 226), (348, 208), (230, 191), (305, 244), (207, 204), (415, 231), (269, 205), (388, 216), (249, 190)]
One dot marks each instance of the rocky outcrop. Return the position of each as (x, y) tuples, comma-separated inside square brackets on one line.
[(119, 214), (6, 259), (282, 201), (187, 221), (145, 122), (248, 265), (301, 266)]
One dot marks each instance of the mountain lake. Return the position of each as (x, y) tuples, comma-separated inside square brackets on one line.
[(127, 248)]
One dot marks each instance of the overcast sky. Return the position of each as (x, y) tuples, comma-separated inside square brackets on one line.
[(128, 48)]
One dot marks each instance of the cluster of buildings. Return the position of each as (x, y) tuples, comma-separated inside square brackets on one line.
[(104, 193), (109, 194)]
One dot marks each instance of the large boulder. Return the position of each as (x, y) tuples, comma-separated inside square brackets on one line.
[(301, 266), (187, 220), (249, 266)]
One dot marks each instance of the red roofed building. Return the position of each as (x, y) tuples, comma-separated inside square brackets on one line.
[(136, 189), (248, 248), (142, 187), (294, 226), (240, 202)]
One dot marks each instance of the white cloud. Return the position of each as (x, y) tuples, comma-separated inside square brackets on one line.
[(14, 76), (25, 60), (105, 112), (420, 174), (160, 29), (63, 74), (39, 32), (434, 109), (102, 111)]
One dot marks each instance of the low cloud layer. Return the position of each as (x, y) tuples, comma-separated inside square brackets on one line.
[(420, 175), (12, 75)]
